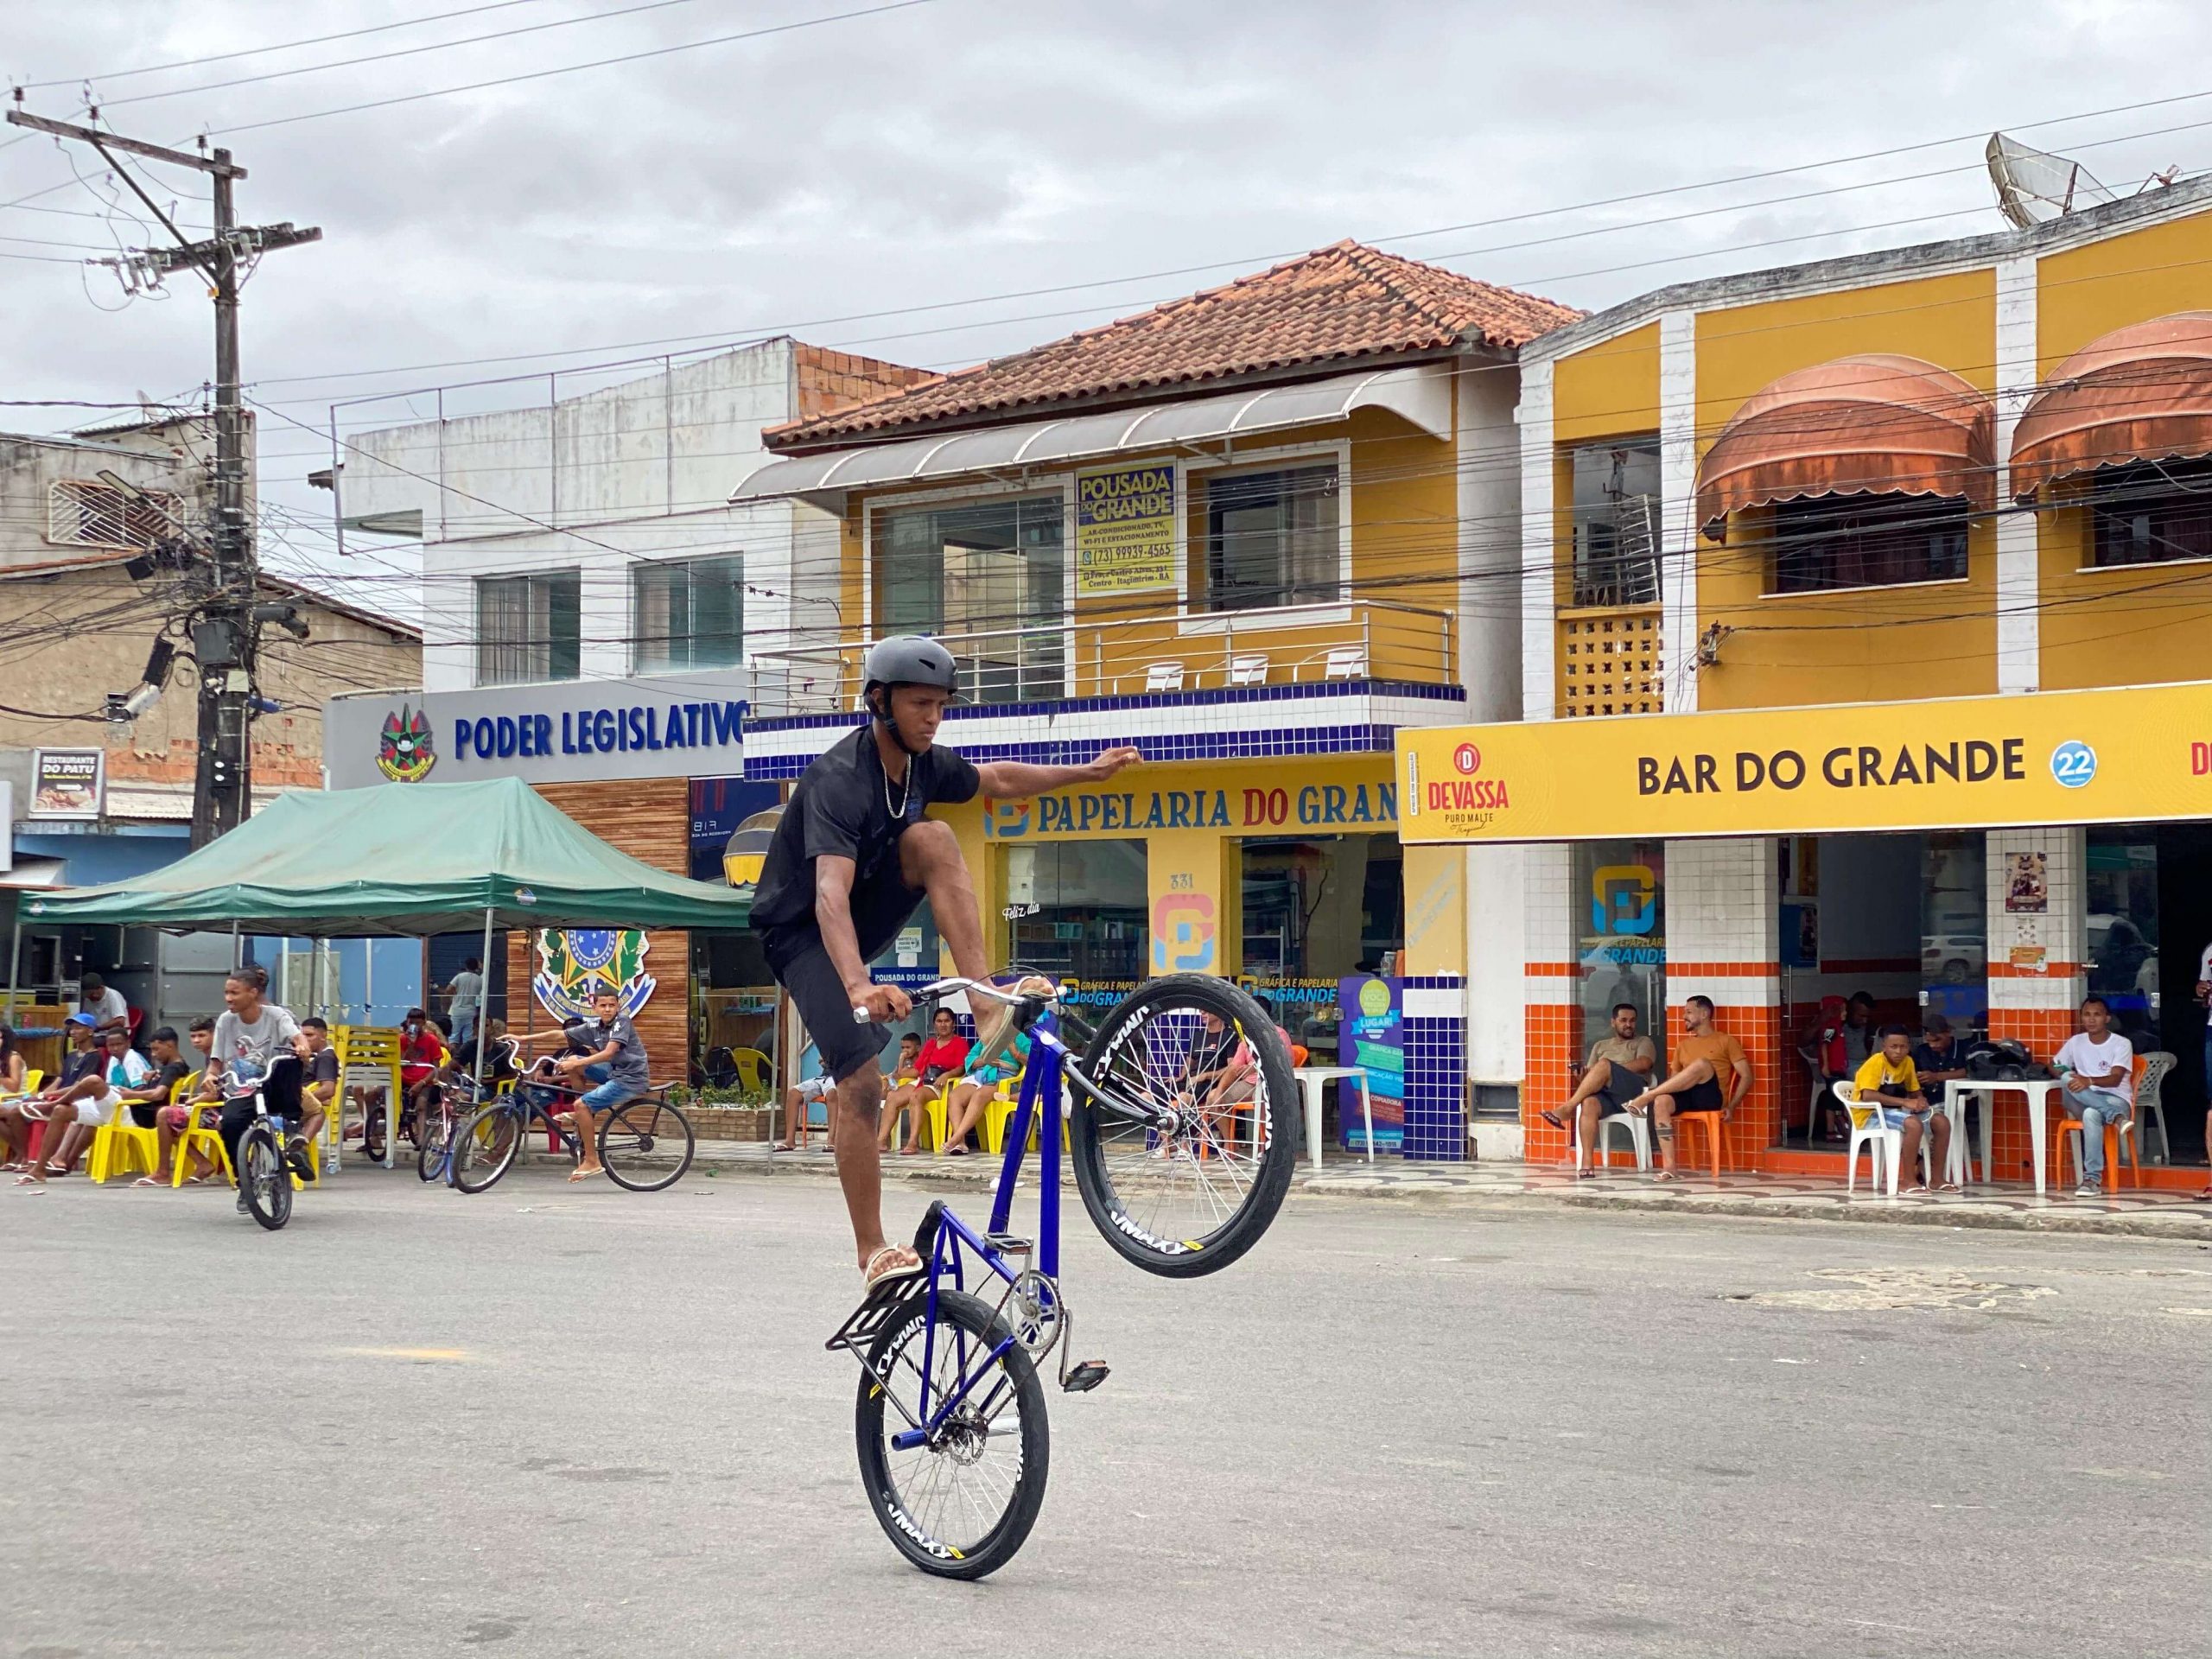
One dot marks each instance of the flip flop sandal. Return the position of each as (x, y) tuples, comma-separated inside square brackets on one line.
[(1553, 1119), (148, 1180), (886, 1265)]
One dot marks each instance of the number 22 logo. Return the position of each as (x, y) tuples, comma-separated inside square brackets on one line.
[(2073, 763)]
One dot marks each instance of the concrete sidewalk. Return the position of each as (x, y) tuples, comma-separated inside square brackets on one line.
[(2148, 1214)]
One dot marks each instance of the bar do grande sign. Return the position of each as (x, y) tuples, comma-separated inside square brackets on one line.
[(2122, 755)]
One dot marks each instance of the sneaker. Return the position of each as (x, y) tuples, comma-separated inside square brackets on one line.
[(2090, 1190), (243, 1209)]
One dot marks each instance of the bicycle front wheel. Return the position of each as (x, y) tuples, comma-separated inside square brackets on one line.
[(484, 1147), (263, 1174), (1188, 1200), (645, 1145), (959, 1504), (437, 1142)]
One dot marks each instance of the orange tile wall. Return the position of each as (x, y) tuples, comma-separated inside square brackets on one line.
[(2045, 1031)]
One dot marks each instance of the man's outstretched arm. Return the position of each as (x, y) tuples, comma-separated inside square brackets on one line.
[(1013, 781), (833, 915)]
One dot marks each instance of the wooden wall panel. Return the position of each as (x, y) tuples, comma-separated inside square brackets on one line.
[(649, 818)]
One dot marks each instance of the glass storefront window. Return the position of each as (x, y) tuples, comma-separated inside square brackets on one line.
[(974, 577), (733, 1003), (1621, 938), (2123, 944), (1955, 929), (1317, 908), (1081, 910)]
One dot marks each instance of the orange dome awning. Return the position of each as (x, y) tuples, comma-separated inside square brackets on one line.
[(1872, 425), (2140, 393)]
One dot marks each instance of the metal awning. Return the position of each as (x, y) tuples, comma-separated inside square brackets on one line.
[(2140, 393), (1420, 395), (1879, 424), (31, 873)]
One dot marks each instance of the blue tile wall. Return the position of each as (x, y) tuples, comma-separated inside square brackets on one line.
[(1198, 746), (1144, 700), (1436, 1087)]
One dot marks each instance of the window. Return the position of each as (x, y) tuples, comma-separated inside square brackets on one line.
[(80, 513), (2147, 514), (1080, 910), (1616, 522), (529, 627), (987, 579), (1271, 539), (689, 614), (1867, 541)]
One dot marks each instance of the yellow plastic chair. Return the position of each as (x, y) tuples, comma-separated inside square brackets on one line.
[(751, 1069), (120, 1147), (210, 1140), (1000, 1113), (373, 1051)]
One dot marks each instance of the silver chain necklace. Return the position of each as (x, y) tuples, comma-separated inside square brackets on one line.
[(905, 792)]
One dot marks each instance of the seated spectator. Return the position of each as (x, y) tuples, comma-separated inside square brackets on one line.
[(1703, 1055), (202, 1104), (1891, 1083), (421, 1053), (318, 1077), (1619, 1067), (942, 1061), (12, 1069), (965, 1101), (1298, 1052), (149, 1100), (798, 1103), (543, 1082), (105, 1004), (84, 1056), (74, 1113), (2099, 1066), (498, 1059), (903, 1092), (1938, 1059)]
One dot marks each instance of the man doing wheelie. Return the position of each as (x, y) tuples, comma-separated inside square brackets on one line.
[(852, 858)]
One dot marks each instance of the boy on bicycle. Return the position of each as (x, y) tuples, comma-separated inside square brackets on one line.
[(617, 1048), (852, 857), (258, 1041)]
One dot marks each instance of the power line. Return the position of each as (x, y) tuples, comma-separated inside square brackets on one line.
[(403, 52), (577, 69)]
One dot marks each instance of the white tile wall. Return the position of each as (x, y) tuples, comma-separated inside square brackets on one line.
[(2060, 931), (1679, 537), (1539, 597), (2018, 633)]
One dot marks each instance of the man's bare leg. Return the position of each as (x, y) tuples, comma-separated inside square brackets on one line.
[(860, 1160), (1662, 1131), (1587, 1111), (586, 1141), (1689, 1077)]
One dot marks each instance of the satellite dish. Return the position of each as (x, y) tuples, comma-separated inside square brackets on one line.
[(2034, 187)]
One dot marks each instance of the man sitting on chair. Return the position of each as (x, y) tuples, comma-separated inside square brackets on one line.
[(75, 1113), (1619, 1067), (1890, 1082), (1704, 1054)]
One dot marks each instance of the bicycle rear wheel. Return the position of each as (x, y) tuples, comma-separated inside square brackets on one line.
[(1191, 1200), (960, 1505), (261, 1173), (645, 1145), (484, 1147)]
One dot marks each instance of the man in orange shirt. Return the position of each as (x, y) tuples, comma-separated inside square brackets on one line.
[(1705, 1056)]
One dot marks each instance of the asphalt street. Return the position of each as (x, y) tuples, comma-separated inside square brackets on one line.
[(575, 1420)]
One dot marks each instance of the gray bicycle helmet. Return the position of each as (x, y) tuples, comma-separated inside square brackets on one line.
[(906, 659)]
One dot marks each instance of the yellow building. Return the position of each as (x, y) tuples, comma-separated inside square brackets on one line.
[(1253, 532), (1978, 469)]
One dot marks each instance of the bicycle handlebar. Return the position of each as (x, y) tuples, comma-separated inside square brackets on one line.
[(950, 987)]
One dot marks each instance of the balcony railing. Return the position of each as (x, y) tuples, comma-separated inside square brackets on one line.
[(1610, 661), (1202, 651)]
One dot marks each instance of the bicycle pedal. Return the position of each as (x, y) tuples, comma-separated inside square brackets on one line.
[(1083, 1377), (1007, 1243)]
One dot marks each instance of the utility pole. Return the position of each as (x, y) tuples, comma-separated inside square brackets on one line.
[(225, 627)]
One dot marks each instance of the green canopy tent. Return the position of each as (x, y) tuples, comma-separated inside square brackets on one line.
[(407, 860)]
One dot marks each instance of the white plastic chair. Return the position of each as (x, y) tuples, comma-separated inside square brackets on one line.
[(1163, 677), (1346, 663), (2156, 1064), (1247, 670), (1639, 1139)]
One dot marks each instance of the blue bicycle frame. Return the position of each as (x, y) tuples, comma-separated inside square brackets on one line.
[(955, 1243)]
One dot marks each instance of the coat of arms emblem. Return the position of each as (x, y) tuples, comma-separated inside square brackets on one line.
[(404, 754), (575, 964)]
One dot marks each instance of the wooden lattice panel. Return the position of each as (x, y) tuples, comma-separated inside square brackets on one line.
[(1610, 662)]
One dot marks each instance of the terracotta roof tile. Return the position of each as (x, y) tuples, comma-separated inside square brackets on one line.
[(1338, 303)]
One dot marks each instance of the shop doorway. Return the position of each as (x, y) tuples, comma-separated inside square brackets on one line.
[(1317, 909), (1620, 949), (2184, 917), (1077, 909)]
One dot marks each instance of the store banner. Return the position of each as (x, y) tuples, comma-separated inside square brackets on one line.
[(2132, 755), (67, 784), (1371, 1035), (1125, 529), (1333, 795)]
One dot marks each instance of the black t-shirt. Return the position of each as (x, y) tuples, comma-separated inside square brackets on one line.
[(846, 807), (1926, 1059), (81, 1063), (166, 1078)]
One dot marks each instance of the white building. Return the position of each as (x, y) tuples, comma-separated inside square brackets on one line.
[(591, 537)]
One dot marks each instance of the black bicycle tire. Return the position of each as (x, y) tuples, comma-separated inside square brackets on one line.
[(517, 1129), (663, 1107), (259, 1140), (1182, 1259), (371, 1135), (934, 1558), (430, 1154)]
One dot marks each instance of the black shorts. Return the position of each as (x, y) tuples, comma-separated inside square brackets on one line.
[(800, 962), (142, 1113), (1703, 1096), (1621, 1084)]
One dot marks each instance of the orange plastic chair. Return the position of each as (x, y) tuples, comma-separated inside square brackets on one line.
[(1711, 1124), (2116, 1136)]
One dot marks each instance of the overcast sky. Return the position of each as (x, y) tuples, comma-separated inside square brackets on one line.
[(947, 154)]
